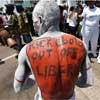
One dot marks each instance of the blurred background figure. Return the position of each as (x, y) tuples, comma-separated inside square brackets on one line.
[(23, 24), (73, 17), (13, 27), (90, 30), (3, 33), (65, 15)]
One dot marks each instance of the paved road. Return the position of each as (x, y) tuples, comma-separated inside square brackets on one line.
[(6, 81)]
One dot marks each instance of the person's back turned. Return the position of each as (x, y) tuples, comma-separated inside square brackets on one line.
[(56, 64)]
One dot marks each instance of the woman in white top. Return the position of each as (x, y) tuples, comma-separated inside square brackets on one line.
[(73, 16)]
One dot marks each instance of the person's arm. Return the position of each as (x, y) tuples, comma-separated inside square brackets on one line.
[(84, 71), (83, 74), (80, 17), (22, 72)]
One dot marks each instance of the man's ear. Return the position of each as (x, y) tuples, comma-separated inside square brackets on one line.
[(41, 20)]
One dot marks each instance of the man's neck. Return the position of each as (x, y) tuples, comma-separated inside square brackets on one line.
[(91, 7), (53, 28)]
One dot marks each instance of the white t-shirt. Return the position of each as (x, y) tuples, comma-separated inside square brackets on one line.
[(73, 20), (65, 13), (91, 16)]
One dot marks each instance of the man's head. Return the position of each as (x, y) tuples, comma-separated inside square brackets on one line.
[(91, 4), (45, 15)]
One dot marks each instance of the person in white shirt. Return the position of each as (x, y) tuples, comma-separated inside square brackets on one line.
[(90, 30), (65, 15), (98, 58), (73, 16)]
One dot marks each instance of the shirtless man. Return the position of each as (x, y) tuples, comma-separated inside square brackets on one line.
[(55, 58)]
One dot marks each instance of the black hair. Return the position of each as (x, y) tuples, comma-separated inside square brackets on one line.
[(19, 8), (9, 9), (71, 8)]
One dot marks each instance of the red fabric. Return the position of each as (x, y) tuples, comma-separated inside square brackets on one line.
[(56, 64)]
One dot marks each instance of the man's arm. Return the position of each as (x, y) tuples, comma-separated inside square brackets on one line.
[(83, 74), (22, 71), (84, 79)]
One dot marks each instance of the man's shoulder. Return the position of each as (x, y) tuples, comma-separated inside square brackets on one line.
[(55, 36), (86, 9), (64, 37), (98, 9), (24, 48), (70, 37)]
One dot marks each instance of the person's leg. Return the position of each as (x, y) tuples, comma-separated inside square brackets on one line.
[(98, 58), (17, 38), (94, 41), (72, 30), (86, 36), (86, 41)]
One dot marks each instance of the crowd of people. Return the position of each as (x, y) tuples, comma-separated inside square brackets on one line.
[(83, 21), (16, 25), (61, 50), (80, 20)]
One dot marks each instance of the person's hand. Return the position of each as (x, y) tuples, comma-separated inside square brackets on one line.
[(29, 82)]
